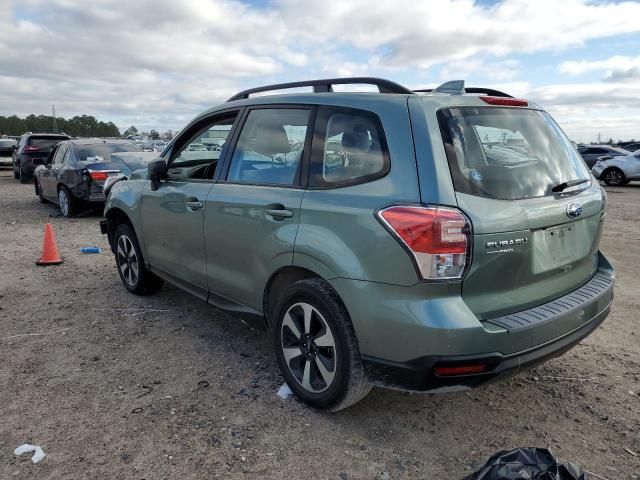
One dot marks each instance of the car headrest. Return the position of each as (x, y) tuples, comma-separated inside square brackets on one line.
[(356, 138), (271, 139)]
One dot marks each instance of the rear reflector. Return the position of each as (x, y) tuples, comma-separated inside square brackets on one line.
[(98, 175), (460, 370), (437, 237), (509, 102), (30, 148)]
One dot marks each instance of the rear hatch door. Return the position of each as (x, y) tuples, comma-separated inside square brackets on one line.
[(38, 147), (534, 239)]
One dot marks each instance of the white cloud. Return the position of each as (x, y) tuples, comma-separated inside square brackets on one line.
[(157, 63), (618, 68)]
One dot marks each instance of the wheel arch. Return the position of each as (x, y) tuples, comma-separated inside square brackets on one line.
[(277, 284), (116, 216)]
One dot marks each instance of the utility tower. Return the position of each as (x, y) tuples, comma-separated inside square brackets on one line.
[(55, 122)]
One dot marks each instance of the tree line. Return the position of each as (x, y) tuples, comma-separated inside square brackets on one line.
[(78, 126)]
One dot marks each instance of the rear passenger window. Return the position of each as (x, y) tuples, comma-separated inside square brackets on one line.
[(353, 148), (270, 147)]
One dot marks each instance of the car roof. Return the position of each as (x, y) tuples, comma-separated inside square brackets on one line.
[(53, 135), (98, 141)]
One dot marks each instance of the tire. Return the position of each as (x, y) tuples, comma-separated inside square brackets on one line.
[(16, 172), (614, 177), (67, 202), (39, 192), (129, 259), (327, 339), (24, 178)]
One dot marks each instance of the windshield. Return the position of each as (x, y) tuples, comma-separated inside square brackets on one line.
[(100, 152), (508, 153)]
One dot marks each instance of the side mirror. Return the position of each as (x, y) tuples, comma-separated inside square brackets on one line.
[(157, 170)]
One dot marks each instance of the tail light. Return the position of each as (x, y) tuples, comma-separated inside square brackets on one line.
[(30, 148), (439, 238), (100, 175), (504, 101)]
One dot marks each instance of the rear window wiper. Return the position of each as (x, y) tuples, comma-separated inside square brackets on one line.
[(571, 183)]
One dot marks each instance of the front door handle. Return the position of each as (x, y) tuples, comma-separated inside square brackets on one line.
[(278, 211), (194, 204)]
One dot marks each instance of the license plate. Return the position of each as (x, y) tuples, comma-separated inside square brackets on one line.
[(561, 243)]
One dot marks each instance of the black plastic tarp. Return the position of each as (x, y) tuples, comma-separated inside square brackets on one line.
[(527, 464)]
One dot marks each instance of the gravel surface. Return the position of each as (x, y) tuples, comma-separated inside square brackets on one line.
[(166, 387)]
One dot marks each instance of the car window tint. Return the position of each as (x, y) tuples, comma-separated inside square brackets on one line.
[(202, 149), (507, 153), (352, 150), (268, 150), (45, 143), (62, 149)]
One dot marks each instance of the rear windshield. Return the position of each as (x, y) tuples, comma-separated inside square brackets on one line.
[(45, 143), (100, 152), (508, 153)]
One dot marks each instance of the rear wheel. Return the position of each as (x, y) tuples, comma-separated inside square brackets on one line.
[(134, 275), (66, 202), (16, 172), (614, 177), (24, 178), (316, 347)]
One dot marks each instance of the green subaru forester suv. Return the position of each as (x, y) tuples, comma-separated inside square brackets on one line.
[(428, 241)]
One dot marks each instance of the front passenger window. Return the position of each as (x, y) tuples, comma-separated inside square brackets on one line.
[(270, 147), (198, 157)]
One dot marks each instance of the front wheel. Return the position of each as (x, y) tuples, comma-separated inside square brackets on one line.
[(133, 273), (317, 348), (614, 177)]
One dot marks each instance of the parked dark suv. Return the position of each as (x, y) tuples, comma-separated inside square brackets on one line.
[(32, 151)]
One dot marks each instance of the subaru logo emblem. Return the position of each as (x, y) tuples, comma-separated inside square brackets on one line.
[(574, 210)]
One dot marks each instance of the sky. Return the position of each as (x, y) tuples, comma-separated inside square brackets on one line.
[(156, 64)]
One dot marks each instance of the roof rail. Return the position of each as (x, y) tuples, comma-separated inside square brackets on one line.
[(325, 85), (456, 87)]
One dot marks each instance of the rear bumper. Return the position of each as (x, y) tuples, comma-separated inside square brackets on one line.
[(406, 332), (419, 374)]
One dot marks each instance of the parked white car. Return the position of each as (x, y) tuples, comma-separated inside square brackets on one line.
[(618, 171)]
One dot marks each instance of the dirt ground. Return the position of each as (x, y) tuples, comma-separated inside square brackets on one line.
[(167, 387)]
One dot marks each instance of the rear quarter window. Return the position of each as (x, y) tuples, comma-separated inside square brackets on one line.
[(507, 153), (349, 148)]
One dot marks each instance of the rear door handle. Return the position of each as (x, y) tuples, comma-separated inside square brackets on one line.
[(278, 211), (193, 204)]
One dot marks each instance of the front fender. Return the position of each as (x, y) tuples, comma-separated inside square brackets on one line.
[(126, 196)]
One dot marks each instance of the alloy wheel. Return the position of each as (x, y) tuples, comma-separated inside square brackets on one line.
[(614, 177), (63, 202), (127, 259), (309, 347)]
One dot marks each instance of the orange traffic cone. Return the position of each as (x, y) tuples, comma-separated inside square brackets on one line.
[(50, 254)]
